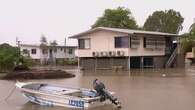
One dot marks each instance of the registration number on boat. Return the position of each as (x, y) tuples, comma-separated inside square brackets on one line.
[(77, 103)]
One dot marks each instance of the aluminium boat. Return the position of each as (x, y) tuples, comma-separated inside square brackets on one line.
[(54, 95)]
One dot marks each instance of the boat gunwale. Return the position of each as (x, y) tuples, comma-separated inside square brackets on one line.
[(66, 96)]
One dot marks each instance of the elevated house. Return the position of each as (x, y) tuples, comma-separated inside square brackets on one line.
[(48, 54), (191, 55), (106, 48)]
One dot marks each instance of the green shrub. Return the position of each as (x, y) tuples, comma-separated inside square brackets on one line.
[(187, 42), (71, 62), (63, 62), (60, 62), (27, 61), (10, 57)]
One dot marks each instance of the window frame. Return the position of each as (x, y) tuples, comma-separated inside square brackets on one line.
[(134, 42), (84, 45), (119, 45), (34, 52), (70, 51), (154, 42)]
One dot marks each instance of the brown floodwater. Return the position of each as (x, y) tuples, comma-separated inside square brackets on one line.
[(146, 89)]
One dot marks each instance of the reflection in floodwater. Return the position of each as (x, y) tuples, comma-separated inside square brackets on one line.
[(144, 89), (32, 106), (179, 72)]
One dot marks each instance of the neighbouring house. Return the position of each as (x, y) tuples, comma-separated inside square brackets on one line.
[(48, 54), (191, 55), (107, 48)]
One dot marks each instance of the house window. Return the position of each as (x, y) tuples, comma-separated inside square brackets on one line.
[(160, 43), (121, 42), (151, 42), (70, 51), (25, 51), (134, 42), (33, 51), (84, 43)]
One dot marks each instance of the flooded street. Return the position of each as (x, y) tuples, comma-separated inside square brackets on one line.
[(137, 90)]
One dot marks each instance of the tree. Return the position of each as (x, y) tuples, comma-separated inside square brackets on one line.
[(116, 18), (192, 28), (188, 39), (43, 44), (43, 40), (168, 21), (187, 42), (54, 43), (10, 57)]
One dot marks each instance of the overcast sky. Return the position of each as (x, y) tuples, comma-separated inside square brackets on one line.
[(57, 19)]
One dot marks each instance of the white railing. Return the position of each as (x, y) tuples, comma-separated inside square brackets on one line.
[(171, 58)]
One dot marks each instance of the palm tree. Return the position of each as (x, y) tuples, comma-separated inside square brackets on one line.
[(192, 27), (54, 43)]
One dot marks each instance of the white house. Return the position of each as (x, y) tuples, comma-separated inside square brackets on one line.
[(107, 47), (48, 54)]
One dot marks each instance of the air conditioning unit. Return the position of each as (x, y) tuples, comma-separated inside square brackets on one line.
[(111, 53), (97, 54), (94, 54), (101, 54), (120, 53), (105, 54)]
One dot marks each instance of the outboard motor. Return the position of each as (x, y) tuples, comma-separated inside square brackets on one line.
[(104, 94)]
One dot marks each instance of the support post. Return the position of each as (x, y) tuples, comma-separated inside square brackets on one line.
[(129, 45), (78, 59), (129, 58), (95, 64)]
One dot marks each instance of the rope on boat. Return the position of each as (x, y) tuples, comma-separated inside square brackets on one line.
[(10, 93)]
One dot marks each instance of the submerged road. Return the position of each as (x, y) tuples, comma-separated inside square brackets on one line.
[(137, 90)]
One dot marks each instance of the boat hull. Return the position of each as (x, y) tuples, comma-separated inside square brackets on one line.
[(47, 99)]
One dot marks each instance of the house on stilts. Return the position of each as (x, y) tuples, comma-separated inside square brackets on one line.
[(107, 48)]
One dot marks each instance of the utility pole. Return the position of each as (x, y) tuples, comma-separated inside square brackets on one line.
[(65, 50), (129, 58), (78, 59), (18, 44), (16, 41), (19, 53), (65, 41)]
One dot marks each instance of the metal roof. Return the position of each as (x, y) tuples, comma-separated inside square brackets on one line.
[(37, 45), (127, 31)]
